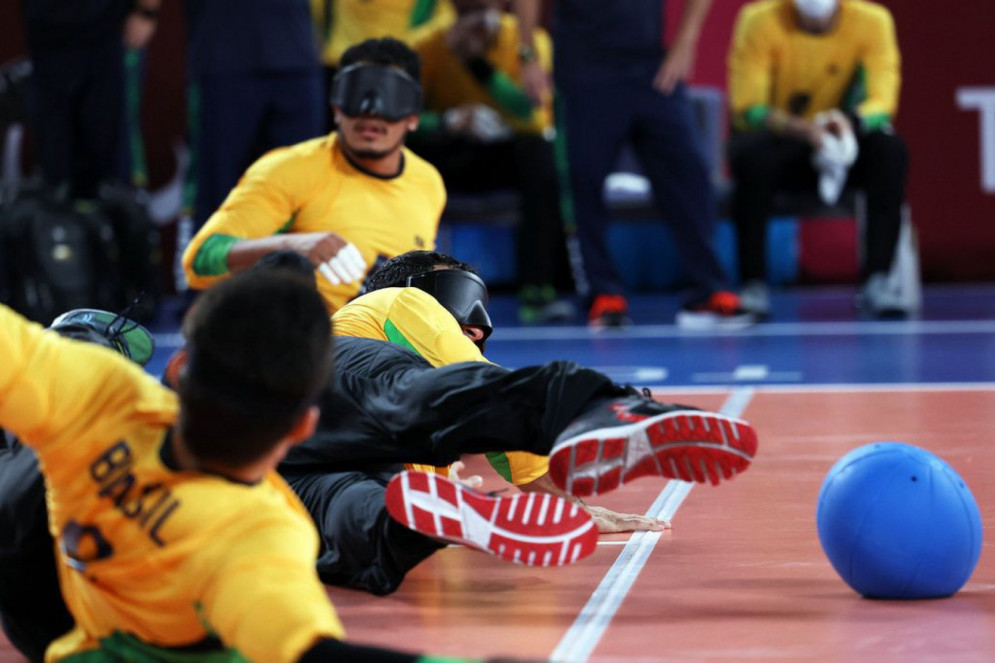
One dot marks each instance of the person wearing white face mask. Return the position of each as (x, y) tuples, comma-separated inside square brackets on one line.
[(813, 88)]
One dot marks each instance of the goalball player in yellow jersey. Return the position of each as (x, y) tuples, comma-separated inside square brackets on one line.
[(162, 504), (345, 201), (434, 306)]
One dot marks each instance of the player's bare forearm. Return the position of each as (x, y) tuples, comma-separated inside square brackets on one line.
[(247, 252), (527, 12), (692, 20)]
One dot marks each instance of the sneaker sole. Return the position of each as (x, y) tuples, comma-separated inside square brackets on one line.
[(533, 529), (687, 445)]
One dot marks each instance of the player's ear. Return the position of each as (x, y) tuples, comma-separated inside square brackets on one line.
[(305, 426), (174, 366), (412, 122)]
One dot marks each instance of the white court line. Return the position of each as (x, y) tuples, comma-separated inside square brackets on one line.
[(850, 328), (595, 617), (854, 328), (663, 389)]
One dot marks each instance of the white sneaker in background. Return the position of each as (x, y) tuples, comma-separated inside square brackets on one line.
[(754, 297), (882, 297)]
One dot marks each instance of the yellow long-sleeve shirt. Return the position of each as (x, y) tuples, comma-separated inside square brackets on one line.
[(415, 319), (447, 83), (152, 558), (353, 21), (312, 187), (775, 64)]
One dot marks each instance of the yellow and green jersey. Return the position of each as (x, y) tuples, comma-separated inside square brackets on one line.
[(312, 187), (447, 83), (343, 23), (154, 563), (415, 319), (775, 64)]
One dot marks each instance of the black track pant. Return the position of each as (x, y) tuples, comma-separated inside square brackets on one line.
[(32, 611), (387, 406), (525, 163), (763, 163)]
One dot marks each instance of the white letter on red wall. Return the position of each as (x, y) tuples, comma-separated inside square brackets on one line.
[(982, 99)]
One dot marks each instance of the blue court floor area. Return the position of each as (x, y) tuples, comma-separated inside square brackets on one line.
[(814, 337)]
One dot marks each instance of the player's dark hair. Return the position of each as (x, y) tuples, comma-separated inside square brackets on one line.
[(260, 352), (288, 260), (394, 273), (386, 51)]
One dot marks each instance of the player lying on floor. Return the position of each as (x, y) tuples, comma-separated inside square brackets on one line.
[(32, 611), (163, 503), (436, 305), (388, 405)]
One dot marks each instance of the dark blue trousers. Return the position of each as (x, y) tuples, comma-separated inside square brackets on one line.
[(237, 118), (77, 105), (599, 115)]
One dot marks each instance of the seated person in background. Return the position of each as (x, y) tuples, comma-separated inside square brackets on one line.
[(345, 200), (388, 406), (164, 503), (807, 77), (482, 132), (342, 23)]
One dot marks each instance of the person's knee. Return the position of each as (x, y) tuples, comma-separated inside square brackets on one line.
[(886, 151), (751, 161)]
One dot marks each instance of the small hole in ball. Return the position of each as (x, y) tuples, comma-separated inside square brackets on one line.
[(915, 478)]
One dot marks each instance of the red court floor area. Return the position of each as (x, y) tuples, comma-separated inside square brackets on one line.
[(740, 577)]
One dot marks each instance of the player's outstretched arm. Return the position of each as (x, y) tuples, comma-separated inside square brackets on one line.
[(606, 520)]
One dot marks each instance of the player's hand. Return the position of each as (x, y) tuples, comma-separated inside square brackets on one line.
[(835, 122), (336, 259), (676, 67), (469, 36), (475, 481), (611, 522), (138, 30), (535, 82)]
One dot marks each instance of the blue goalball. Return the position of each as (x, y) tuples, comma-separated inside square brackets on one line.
[(897, 522)]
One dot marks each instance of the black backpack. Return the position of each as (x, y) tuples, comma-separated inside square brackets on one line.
[(54, 258), (141, 267)]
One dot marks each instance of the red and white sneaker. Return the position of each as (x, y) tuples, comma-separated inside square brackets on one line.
[(534, 529), (623, 439)]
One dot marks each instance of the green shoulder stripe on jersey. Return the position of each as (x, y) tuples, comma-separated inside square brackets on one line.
[(509, 95), (422, 12), (193, 136), (126, 647), (428, 122), (395, 336), (875, 121), (133, 97), (285, 228), (755, 116), (856, 92), (499, 461), (212, 257), (562, 161), (446, 659)]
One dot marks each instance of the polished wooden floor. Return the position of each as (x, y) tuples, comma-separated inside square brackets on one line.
[(741, 577)]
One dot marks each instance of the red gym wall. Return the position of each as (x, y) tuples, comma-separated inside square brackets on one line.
[(947, 51)]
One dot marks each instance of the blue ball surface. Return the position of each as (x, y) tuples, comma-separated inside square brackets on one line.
[(897, 522)]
